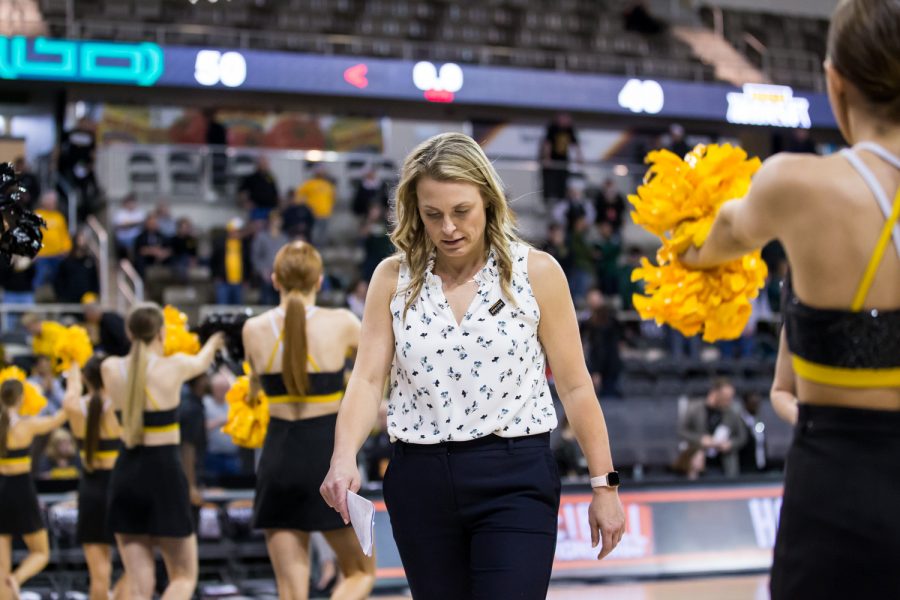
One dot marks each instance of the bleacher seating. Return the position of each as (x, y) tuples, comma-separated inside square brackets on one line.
[(565, 35), (794, 48)]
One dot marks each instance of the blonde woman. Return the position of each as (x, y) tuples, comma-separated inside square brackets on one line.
[(463, 320), (96, 428), (20, 513), (149, 503), (297, 352), (836, 216)]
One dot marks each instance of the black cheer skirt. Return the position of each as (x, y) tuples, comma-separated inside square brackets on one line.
[(93, 500), (20, 512), (839, 534), (149, 493), (295, 459)]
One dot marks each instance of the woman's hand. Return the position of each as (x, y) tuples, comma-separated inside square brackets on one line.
[(217, 341), (342, 476), (607, 519)]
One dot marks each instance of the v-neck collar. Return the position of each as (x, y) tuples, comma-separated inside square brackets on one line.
[(483, 279)]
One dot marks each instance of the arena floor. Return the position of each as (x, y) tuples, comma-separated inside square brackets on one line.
[(754, 587)]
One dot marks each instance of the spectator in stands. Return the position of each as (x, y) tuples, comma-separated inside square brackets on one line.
[(627, 288), (265, 246), (610, 204), (569, 457), (151, 247), (78, 273), (555, 245), (259, 190), (370, 190), (318, 193), (60, 460), (217, 140), (800, 142), (128, 221), (167, 223), (57, 242), (17, 281), (184, 248), (29, 181), (375, 241), (192, 423), (298, 220), (752, 457), (608, 246), (637, 18), (76, 164), (574, 205), (356, 299), (677, 143), (681, 346), (712, 432), (221, 453), (106, 329), (230, 262), (581, 258), (43, 377), (602, 336), (559, 142)]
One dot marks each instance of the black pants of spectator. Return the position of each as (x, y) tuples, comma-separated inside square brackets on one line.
[(475, 520), (555, 182)]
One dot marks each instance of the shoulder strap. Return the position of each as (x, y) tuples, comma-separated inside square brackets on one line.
[(280, 338), (883, 240)]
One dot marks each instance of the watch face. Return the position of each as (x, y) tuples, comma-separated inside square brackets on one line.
[(612, 479)]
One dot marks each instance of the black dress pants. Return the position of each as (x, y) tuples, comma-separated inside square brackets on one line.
[(475, 519)]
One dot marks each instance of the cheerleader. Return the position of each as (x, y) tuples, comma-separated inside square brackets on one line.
[(21, 513), (97, 431), (149, 503), (837, 217), (297, 353)]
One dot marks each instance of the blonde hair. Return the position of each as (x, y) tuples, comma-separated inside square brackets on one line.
[(144, 323), (458, 158), (297, 268)]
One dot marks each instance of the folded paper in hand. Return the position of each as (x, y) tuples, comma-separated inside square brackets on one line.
[(362, 518)]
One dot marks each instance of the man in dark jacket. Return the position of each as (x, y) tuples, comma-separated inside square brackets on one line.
[(107, 330)]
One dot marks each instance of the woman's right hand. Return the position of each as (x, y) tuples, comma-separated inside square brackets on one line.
[(342, 476)]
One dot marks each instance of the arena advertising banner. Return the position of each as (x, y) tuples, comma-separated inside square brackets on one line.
[(148, 64), (668, 532)]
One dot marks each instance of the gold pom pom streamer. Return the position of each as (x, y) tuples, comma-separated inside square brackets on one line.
[(72, 345), (678, 203), (44, 344), (247, 422), (178, 337), (33, 401)]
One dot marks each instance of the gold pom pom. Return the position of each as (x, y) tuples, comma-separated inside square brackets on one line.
[(178, 337), (247, 422), (678, 203), (33, 401), (44, 343), (73, 344)]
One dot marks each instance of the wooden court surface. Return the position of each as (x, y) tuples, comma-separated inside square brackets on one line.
[(754, 587)]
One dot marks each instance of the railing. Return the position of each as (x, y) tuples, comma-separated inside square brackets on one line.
[(52, 311), (99, 246), (130, 286), (73, 199)]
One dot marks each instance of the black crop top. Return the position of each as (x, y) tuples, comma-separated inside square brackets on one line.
[(322, 385), (867, 339)]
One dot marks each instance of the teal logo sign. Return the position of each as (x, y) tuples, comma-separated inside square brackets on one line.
[(89, 61)]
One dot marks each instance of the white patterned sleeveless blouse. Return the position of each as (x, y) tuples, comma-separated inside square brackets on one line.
[(485, 375)]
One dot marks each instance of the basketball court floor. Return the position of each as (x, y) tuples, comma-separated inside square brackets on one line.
[(752, 587)]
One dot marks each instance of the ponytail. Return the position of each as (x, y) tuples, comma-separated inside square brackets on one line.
[(10, 392), (92, 430), (135, 395), (4, 430), (293, 363)]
